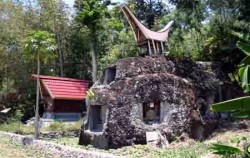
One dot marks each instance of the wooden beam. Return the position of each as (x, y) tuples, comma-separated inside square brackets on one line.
[(48, 90), (154, 46), (141, 43), (131, 25), (162, 48), (158, 48), (149, 48), (138, 35)]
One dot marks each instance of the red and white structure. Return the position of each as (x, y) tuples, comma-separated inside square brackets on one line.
[(63, 98)]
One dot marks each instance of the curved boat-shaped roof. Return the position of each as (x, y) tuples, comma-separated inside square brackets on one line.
[(161, 35)]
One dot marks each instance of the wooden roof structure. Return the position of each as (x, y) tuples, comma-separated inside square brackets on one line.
[(154, 41)]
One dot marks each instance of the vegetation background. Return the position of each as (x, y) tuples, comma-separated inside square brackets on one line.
[(95, 34)]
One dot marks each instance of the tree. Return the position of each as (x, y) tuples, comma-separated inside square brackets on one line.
[(148, 11), (90, 14), (54, 17), (77, 59), (119, 40), (39, 45), (16, 19)]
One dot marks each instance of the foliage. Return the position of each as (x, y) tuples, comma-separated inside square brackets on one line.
[(15, 126), (122, 47), (195, 150), (56, 126), (239, 107), (137, 151), (40, 44), (90, 14), (96, 30), (232, 105), (225, 150), (232, 151), (90, 94), (62, 126), (242, 73), (148, 11)]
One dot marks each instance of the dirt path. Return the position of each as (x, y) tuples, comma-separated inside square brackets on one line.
[(10, 149)]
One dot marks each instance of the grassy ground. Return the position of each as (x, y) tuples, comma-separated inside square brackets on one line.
[(17, 127), (143, 151), (9, 149), (185, 149), (189, 149)]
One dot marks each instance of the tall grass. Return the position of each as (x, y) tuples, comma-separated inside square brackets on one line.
[(14, 126)]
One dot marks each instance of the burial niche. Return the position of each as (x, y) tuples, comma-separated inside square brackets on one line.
[(109, 75), (96, 118), (151, 113)]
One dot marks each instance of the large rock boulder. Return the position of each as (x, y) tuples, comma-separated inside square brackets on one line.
[(152, 93)]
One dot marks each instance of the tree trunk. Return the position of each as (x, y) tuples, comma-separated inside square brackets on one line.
[(94, 61), (60, 53), (37, 99)]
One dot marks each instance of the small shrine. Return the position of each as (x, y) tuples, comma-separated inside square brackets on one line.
[(63, 98)]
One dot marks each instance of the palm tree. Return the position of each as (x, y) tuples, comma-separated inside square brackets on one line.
[(39, 45)]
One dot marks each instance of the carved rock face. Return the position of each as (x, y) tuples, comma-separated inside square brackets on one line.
[(152, 81)]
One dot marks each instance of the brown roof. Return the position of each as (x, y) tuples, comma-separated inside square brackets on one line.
[(161, 35)]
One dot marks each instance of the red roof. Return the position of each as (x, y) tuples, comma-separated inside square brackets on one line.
[(64, 88)]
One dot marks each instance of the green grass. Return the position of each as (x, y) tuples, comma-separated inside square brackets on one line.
[(195, 150), (18, 127), (188, 149), (73, 142), (10, 149), (61, 126), (144, 151)]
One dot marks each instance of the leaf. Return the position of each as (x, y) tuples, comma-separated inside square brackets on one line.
[(241, 72), (244, 37), (225, 150), (245, 47), (238, 104), (245, 61), (245, 80), (241, 114), (232, 77), (237, 34)]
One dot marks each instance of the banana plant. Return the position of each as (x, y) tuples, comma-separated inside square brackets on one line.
[(242, 74), (239, 107), (231, 151)]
